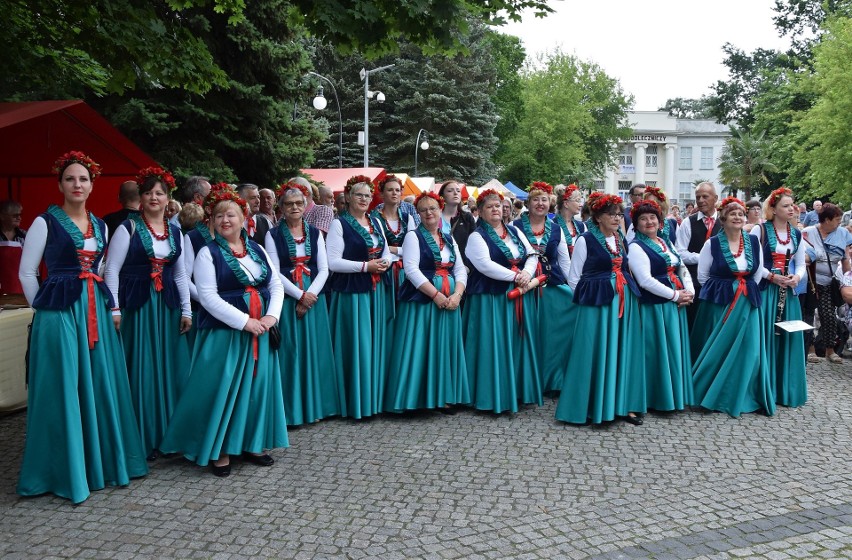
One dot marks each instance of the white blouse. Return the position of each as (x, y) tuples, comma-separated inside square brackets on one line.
[(480, 257), (335, 244), (411, 261), (705, 261), (290, 288), (640, 268)]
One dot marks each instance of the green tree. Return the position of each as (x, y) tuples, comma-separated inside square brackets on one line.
[(823, 157), (573, 116), (743, 164), (243, 131), (683, 108)]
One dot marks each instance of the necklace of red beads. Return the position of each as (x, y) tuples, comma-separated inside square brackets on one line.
[(300, 240), (742, 246), (617, 251), (398, 229), (154, 234), (789, 235), (505, 233), (243, 253)]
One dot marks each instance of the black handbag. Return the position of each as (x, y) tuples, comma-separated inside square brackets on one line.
[(275, 337)]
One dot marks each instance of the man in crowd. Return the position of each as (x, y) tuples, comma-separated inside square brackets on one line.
[(635, 194), (194, 190), (317, 215), (694, 232), (256, 225), (267, 206), (812, 217), (128, 197), (326, 196)]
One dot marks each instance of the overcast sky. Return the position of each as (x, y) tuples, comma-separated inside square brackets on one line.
[(657, 50)]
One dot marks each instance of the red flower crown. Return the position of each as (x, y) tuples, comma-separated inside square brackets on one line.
[(161, 175), (776, 195), (600, 202), (643, 207), (222, 195), (569, 190), (489, 192), (77, 157), (390, 178), (731, 200), (657, 192), (359, 179), (291, 186), (429, 194), (540, 186)]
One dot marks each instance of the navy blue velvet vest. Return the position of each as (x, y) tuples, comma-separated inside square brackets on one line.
[(284, 251), (551, 252), (595, 286), (197, 240), (659, 267), (478, 283), (134, 278), (720, 287), (63, 287), (354, 249), (230, 288), (407, 291)]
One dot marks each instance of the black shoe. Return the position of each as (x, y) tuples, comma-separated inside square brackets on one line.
[(448, 410), (222, 472), (259, 460), (635, 420), (152, 456)]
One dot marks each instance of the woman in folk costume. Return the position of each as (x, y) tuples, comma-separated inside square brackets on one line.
[(569, 200), (499, 333), (784, 258), (668, 226), (148, 282), (396, 222), (427, 365), (730, 370), (81, 430), (361, 310), (555, 309), (232, 403), (605, 376), (312, 387), (665, 287)]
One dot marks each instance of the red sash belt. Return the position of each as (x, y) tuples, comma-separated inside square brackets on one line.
[(255, 310), (778, 262), (742, 289), (442, 269), (519, 302), (374, 253), (157, 272), (620, 281), (87, 260), (678, 285), (300, 270), (397, 266)]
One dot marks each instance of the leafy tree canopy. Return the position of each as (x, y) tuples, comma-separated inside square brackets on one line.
[(682, 108)]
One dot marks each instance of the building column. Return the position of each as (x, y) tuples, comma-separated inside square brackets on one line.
[(670, 171), (609, 181), (639, 163)]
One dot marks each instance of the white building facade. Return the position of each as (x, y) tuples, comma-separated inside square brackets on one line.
[(669, 153)]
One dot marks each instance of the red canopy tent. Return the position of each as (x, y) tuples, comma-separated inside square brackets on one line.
[(34, 134), (336, 178)]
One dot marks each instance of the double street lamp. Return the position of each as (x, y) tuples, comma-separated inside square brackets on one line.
[(420, 145), (380, 97)]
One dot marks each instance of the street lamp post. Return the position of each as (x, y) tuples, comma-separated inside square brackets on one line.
[(380, 97), (320, 104), (420, 145)]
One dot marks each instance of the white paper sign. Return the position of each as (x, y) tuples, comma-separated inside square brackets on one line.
[(794, 326)]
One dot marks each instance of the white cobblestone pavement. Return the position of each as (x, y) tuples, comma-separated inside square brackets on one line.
[(474, 485)]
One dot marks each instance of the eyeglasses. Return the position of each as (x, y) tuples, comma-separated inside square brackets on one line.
[(430, 210), (362, 196), (615, 214), (293, 203)]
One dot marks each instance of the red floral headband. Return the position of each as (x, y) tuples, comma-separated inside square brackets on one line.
[(777, 194), (160, 174), (224, 195), (429, 194), (644, 207), (291, 186), (731, 200), (489, 192), (77, 157), (389, 179), (359, 179), (657, 192), (540, 186), (600, 202), (569, 190)]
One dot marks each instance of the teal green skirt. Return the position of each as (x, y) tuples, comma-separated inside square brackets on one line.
[(361, 339), (501, 356), (313, 389), (427, 365), (228, 405), (81, 430), (785, 350), (158, 360), (731, 372), (557, 316), (668, 364), (605, 374)]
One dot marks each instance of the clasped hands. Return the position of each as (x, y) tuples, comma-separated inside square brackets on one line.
[(259, 326), (449, 303), (788, 281), (684, 297)]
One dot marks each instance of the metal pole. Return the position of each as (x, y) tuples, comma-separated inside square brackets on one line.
[(366, 119), (339, 119), (417, 147)]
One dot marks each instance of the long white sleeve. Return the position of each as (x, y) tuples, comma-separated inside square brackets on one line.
[(532, 259), (119, 245), (411, 260), (798, 258), (459, 269), (31, 258), (188, 256), (182, 282), (578, 260), (290, 288), (640, 268), (479, 256), (318, 283), (563, 256), (705, 261), (276, 291)]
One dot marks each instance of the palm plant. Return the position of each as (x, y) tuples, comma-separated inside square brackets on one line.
[(744, 162)]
